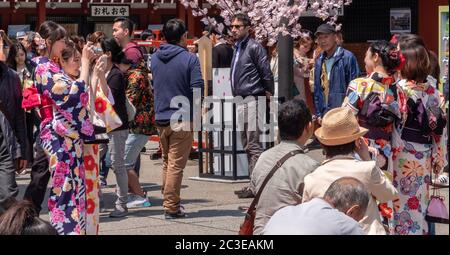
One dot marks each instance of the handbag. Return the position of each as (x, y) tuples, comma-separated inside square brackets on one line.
[(131, 110), (249, 221), (436, 210)]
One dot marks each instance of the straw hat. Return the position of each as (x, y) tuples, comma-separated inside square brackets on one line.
[(339, 126)]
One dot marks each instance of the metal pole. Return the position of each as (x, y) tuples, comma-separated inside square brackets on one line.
[(285, 63)]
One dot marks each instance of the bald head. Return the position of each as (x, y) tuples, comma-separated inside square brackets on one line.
[(349, 196)]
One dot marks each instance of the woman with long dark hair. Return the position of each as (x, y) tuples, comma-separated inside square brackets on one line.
[(117, 137), (64, 129), (16, 60)]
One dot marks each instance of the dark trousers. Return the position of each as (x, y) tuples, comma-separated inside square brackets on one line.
[(40, 175), (8, 185)]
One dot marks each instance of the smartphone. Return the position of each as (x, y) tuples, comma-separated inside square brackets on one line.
[(98, 50)]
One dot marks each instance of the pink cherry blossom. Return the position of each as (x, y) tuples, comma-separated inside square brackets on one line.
[(266, 15)]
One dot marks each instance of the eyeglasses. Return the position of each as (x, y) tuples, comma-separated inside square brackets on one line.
[(237, 26)]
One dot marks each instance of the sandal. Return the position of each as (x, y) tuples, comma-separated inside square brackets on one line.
[(442, 181)]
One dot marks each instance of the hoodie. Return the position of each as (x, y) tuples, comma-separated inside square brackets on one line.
[(176, 72)]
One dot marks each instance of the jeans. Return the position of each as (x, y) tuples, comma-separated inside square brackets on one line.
[(116, 149), (133, 147), (176, 146), (105, 161)]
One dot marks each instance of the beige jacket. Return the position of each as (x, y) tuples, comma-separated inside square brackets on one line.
[(378, 185), (283, 188)]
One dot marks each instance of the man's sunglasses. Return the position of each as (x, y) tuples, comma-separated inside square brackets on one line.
[(237, 26)]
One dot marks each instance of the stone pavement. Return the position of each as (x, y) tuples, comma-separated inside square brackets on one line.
[(212, 207)]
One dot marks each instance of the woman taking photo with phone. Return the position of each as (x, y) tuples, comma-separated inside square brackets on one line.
[(64, 128)]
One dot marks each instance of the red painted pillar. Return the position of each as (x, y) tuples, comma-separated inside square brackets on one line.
[(42, 16), (181, 12), (84, 8)]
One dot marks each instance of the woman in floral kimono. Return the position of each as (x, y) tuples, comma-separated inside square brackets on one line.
[(104, 119), (421, 152), (379, 104), (377, 100), (64, 128)]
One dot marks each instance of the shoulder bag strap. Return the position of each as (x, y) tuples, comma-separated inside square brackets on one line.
[(271, 173)]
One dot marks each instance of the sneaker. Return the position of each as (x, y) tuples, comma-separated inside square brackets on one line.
[(177, 215), (237, 192), (442, 181), (119, 212), (135, 201), (244, 193), (102, 206), (103, 183), (180, 214)]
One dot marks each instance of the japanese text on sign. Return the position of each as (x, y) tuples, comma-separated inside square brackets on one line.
[(110, 10)]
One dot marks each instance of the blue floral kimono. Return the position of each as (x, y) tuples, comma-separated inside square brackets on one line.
[(63, 133)]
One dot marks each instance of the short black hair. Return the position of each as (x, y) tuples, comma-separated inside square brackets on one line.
[(125, 23), (173, 30), (146, 34), (293, 117), (343, 149), (111, 45), (242, 17)]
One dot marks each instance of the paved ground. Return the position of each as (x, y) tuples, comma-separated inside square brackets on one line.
[(212, 207)]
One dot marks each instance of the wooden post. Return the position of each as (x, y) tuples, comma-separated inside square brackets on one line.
[(205, 53), (42, 16)]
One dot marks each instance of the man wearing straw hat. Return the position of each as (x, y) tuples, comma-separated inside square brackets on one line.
[(348, 155)]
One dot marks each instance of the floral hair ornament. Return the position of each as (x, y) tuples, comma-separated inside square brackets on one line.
[(402, 61)]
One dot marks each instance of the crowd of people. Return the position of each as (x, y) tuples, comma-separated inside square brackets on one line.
[(71, 108)]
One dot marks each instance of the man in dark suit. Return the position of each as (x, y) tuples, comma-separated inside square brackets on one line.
[(222, 52)]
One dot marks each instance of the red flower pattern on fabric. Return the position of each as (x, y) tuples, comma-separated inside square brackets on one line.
[(90, 207), (413, 203), (89, 163), (100, 105), (385, 210)]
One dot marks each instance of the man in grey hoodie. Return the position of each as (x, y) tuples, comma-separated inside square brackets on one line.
[(176, 73)]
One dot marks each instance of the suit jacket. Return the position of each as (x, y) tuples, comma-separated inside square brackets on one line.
[(11, 98), (222, 54), (378, 186)]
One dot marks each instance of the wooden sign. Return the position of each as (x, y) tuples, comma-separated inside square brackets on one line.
[(110, 10), (205, 57)]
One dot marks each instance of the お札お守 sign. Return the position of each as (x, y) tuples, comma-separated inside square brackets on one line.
[(110, 10)]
